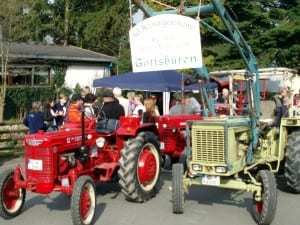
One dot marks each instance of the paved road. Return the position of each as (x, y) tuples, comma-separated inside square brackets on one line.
[(204, 205)]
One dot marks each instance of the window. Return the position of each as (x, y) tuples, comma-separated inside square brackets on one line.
[(41, 76), (29, 76)]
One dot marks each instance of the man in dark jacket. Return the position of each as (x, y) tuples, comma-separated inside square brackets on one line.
[(109, 114), (111, 109), (35, 119)]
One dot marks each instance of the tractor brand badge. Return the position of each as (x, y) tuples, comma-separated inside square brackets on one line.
[(78, 138)]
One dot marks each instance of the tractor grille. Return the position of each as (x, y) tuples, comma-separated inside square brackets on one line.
[(47, 173), (208, 144), (166, 137)]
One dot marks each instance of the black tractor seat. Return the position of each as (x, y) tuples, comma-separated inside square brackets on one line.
[(107, 125)]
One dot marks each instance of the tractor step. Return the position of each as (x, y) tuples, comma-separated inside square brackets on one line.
[(107, 170)]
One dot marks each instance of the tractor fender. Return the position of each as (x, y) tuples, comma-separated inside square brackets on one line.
[(134, 130)]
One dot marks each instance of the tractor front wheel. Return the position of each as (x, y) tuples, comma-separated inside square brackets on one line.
[(140, 167), (264, 210), (11, 198), (83, 201), (292, 162), (177, 188)]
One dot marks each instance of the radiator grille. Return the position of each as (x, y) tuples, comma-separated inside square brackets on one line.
[(46, 156), (208, 145)]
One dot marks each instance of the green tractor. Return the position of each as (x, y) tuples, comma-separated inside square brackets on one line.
[(237, 151)]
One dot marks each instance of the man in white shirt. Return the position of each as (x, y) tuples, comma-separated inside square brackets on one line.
[(123, 101), (193, 101)]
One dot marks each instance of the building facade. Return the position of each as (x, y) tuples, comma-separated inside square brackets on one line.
[(34, 64)]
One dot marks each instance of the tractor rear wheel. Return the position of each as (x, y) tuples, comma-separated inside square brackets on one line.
[(83, 201), (11, 199), (140, 167), (265, 209), (292, 162), (177, 188)]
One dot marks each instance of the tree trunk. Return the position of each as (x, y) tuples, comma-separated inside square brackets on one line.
[(4, 61), (67, 20)]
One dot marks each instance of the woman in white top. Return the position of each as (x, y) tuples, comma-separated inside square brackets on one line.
[(139, 107)]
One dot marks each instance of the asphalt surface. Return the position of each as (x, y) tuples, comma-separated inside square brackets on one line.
[(203, 205)]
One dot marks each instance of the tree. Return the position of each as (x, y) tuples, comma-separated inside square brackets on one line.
[(271, 28), (12, 12)]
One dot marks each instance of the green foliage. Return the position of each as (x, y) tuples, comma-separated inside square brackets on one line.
[(271, 27), (19, 99), (77, 89)]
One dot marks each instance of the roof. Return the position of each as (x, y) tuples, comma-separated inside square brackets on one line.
[(264, 73), (56, 52)]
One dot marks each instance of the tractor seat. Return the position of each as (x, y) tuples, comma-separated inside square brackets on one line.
[(107, 125)]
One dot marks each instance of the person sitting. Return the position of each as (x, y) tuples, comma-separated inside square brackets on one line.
[(224, 97), (182, 106), (149, 114)]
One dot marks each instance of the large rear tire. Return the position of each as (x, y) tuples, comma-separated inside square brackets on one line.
[(140, 167), (292, 162), (83, 201), (11, 199), (177, 188), (265, 210)]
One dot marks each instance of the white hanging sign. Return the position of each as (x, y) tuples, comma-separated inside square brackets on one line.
[(165, 42)]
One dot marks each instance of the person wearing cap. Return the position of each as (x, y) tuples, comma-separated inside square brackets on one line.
[(123, 101), (74, 110), (111, 109)]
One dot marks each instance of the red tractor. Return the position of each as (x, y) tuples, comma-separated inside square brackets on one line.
[(75, 158)]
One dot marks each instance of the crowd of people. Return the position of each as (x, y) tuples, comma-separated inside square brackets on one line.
[(52, 115), (114, 104)]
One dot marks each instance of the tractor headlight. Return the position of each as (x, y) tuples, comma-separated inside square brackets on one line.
[(196, 167), (164, 125), (221, 169), (100, 142)]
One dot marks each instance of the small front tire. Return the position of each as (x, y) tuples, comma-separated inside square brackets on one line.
[(83, 201), (11, 199), (177, 188), (265, 209)]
